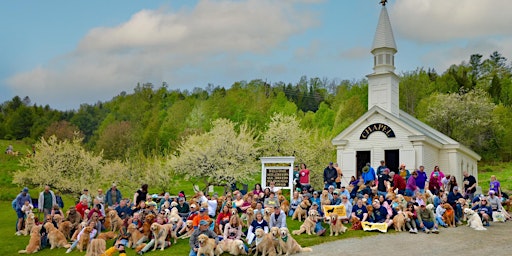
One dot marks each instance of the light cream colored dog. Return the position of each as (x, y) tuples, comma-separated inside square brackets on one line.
[(29, 223), (159, 234), (336, 225), (233, 247), (301, 210), (56, 238), (206, 245), (274, 234), (289, 245), (35, 240), (309, 224), (188, 229), (474, 220)]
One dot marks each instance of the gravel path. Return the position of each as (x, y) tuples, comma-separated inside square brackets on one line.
[(496, 241)]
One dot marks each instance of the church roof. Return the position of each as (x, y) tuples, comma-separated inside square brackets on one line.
[(416, 127), (384, 34)]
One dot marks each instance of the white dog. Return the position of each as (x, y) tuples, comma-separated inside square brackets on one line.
[(474, 220)]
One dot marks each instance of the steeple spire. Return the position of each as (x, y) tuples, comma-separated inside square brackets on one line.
[(383, 82)]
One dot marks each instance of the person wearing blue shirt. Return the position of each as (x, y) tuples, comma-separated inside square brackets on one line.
[(20, 201), (484, 210), (453, 200), (359, 211)]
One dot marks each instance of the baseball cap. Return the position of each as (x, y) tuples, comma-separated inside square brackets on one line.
[(114, 184), (203, 222), (376, 201), (151, 204), (330, 163), (343, 186), (25, 189), (455, 188), (314, 203), (202, 209), (491, 192), (331, 186), (335, 192)]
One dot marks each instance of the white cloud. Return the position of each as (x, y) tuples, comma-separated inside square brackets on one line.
[(161, 45), (356, 53), (443, 20)]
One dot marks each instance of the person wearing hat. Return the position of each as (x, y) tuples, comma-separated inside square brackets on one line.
[(433, 184), (336, 199), (87, 196), (203, 215), (277, 218), (453, 200), (20, 201), (183, 208), (484, 210), (427, 220), (344, 191), (113, 196), (202, 229), (319, 229), (330, 175), (194, 211), (495, 202), (151, 208)]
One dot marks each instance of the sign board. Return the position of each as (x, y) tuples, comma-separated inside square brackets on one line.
[(334, 209), (279, 170), (377, 127)]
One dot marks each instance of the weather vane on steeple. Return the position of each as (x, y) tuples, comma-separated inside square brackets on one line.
[(383, 2)]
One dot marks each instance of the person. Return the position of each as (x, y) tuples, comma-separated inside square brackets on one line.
[(348, 208), (258, 222), (100, 196), (223, 217), (495, 185), (46, 201), (304, 177), (9, 150), (398, 183), (233, 229), (433, 185), (271, 201), (440, 176), (203, 215), (96, 210), (27, 208), (294, 203), (421, 179), (336, 199), (453, 200), (343, 191), (383, 181), (319, 229), (410, 187), (273, 187), (340, 175), (452, 183), (439, 213), (92, 235), (368, 173), (410, 218), (123, 210), (277, 218), (183, 208), (56, 211), (141, 194), (97, 247), (381, 167), (238, 202), (113, 196), (257, 189), (20, 201), (81, 207), (359, 211), (381, 214), (484, 210), (203, 229), (73, 217), (151, 244), (212, 205), (330, 175), (404, 172), (85, 195), (427, 220), (469, 182)]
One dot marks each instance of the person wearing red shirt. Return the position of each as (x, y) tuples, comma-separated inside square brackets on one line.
[(304, 176), (81, 207), (398, 183)]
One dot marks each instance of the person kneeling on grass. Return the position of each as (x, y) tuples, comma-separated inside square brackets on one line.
[(319, 230), (427, 220)]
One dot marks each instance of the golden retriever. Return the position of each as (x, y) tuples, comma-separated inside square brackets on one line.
[(233, 247), (249, 213), (84, 239), (274, 234), (399, 222), (115, 221), (309, 224), (172, 228), (284, 204), (159, 234), (35, 240), (264, 243), (146, 227), (301, 210), (56, 238), (324, 198), (65, 227), (188, 229), (29, 223), (107, 235), (336, 225), (135, 235), (449, 215), (266, 214), (206, 245), (81, 226), (289, 245)]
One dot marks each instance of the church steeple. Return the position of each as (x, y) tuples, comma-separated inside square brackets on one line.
[(383, 82)]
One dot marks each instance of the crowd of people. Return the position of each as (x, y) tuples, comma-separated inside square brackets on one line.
[(377, 196)]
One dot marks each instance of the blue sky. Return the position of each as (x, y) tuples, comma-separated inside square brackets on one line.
[(65, 53)]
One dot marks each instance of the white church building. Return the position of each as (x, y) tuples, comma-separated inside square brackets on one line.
[(387, 133)]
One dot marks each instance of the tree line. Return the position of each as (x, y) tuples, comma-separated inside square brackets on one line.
[(470, 102)]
